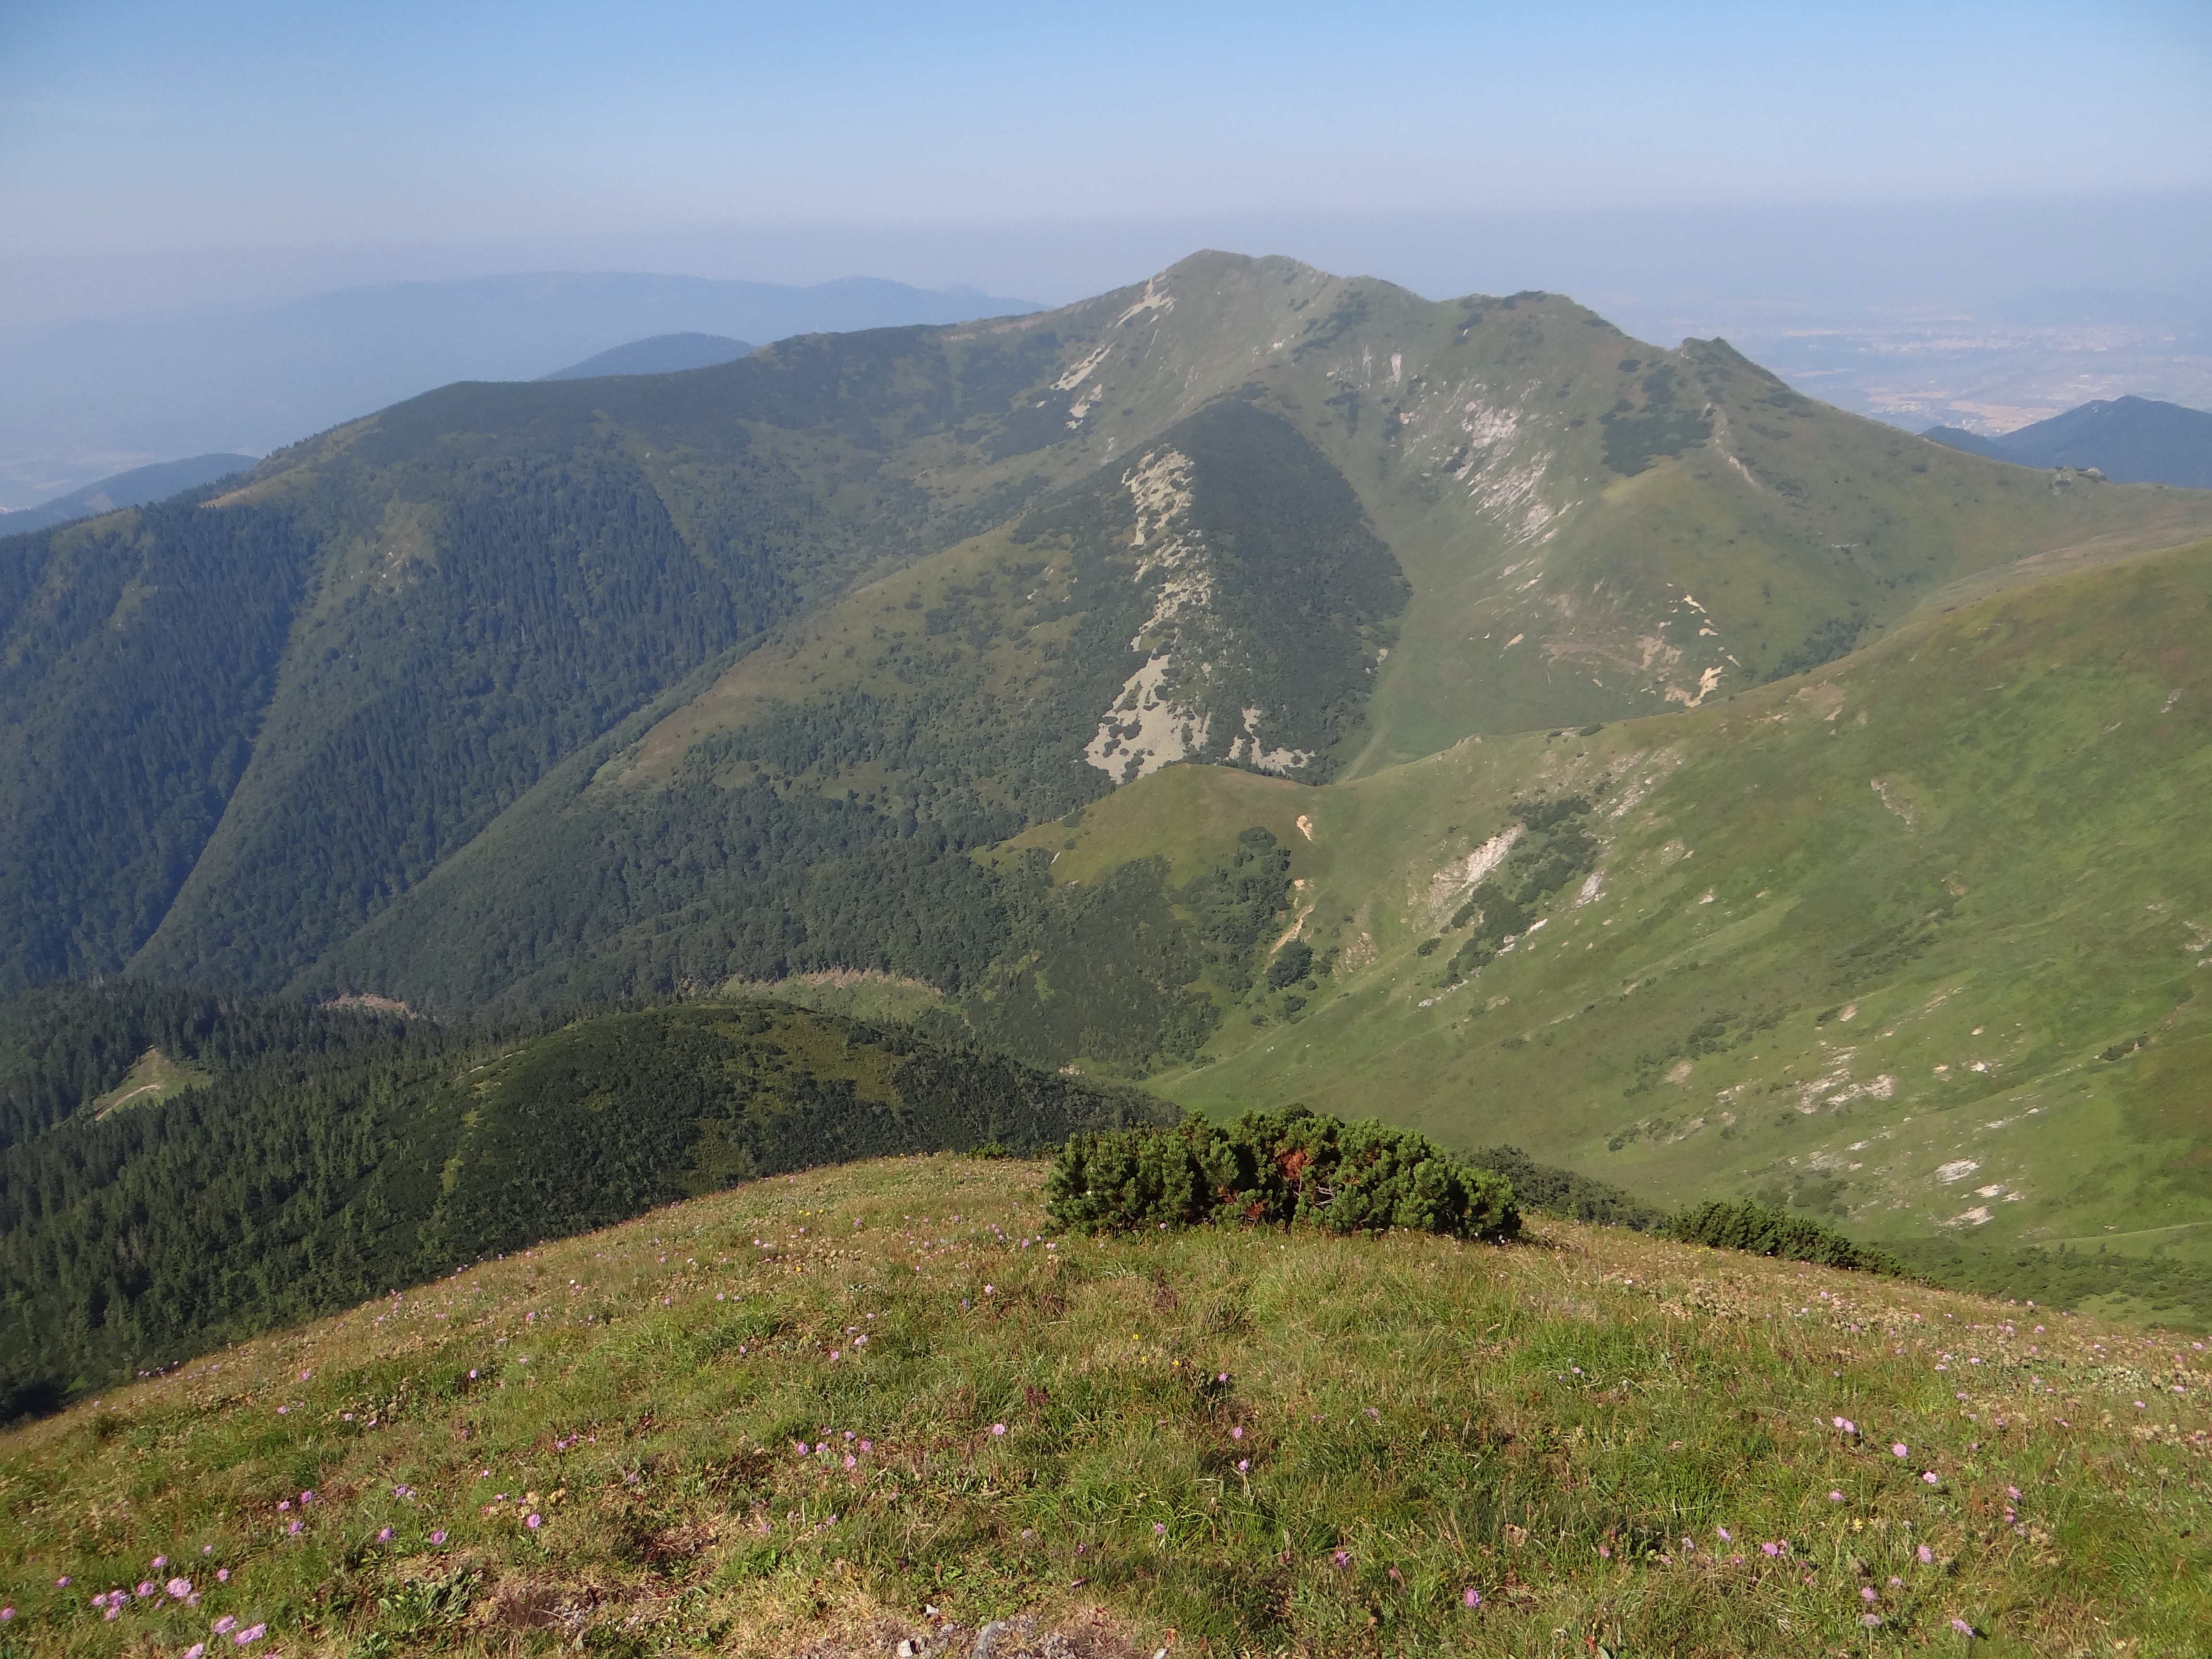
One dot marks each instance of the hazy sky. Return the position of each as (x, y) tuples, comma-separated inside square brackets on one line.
[(160, 152)]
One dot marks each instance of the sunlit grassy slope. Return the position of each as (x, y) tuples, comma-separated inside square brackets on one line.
[(1873, 940), (1221, 1443)]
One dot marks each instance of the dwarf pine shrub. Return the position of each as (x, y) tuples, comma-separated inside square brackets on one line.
[(1763, 1230), (1288, 1168)]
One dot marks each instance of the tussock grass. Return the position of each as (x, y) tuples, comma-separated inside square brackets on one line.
[(1221, 1442)]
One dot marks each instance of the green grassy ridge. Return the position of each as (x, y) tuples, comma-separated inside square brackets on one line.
[(326, 1164), (1260, 1440), (2041, 891)]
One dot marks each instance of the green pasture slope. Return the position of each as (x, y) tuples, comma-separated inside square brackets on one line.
[(1917, 942)]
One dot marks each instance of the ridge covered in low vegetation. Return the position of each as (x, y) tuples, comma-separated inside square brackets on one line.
[(888, 1402)]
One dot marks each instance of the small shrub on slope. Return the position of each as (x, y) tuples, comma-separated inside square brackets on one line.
[(1293, 1167), (1763, 1230)]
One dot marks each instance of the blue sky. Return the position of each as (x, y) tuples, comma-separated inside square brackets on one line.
[(135, 136)]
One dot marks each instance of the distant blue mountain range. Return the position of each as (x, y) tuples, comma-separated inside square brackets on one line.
[(2129, 440), (81, 400), (664, 354), (132, 488)]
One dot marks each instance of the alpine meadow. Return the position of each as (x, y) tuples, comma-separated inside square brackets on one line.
[(1257, 966)]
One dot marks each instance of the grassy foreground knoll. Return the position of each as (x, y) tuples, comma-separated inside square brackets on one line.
[(797, 1415)]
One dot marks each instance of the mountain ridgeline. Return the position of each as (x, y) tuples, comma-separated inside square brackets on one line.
[(518, 696)]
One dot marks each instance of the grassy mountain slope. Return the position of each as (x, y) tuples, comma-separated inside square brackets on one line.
[(468, 605), (636, 1441), (1913, 942), (329, 1154)]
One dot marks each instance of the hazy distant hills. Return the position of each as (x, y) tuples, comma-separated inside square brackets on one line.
[(2129, 440), (664, 354), (131, 489), (83, 399)]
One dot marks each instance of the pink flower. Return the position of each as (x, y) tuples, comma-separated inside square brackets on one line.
[(195, 1651), (998, 1429), (223, 1575), (179, 1588), (1243, 1466), (145, 1587), (1900, 1450), (1927, 1556), (1835, 1498), (1869, 1594), (534, 1522), (439, 1536), (1962, 1627), (1237, 1433), (1871, 1620), (1342, 1558), (225, 1624), (61, 1583), (1722, 1533), (284, 1504), (159, 1562), (384, 1536), (1931, 1477), (868, 1445), (851, 1461), (1471, 1597), (1770, 1549), (251, 1634)]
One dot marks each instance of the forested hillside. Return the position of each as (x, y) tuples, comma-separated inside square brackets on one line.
[(334, 1153)]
